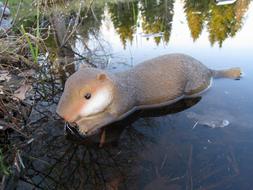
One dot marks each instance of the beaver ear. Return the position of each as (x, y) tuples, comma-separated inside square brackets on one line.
[(102, 76)]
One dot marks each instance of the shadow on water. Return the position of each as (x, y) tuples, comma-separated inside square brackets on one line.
[(150, 149), (114, 130)]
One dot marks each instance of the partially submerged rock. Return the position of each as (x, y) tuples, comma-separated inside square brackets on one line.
[(21, 92), (5, 11), (5, 16), (4, 76)]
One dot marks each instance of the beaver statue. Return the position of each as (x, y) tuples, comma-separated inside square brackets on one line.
[(93, 98)]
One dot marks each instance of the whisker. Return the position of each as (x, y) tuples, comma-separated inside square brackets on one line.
[(66, 126)]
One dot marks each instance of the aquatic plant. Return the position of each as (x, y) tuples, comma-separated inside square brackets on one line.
[(34, 49)]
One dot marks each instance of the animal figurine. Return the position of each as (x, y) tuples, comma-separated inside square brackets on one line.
[(94, 98)]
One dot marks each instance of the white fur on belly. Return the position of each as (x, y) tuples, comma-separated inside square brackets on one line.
[(98, 103)]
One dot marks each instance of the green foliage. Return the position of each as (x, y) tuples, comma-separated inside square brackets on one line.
[(23, 11), (34, 49)]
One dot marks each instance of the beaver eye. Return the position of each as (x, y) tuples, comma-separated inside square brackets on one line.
[(87, 96)]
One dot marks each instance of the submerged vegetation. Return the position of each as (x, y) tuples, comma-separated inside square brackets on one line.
[(40, 48), (4, 169)]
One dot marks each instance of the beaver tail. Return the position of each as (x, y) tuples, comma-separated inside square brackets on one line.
[(234, 73)]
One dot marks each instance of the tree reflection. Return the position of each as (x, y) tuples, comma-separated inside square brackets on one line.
[(56, 162), (124, 18), (196, 12), (222, 21), (225, 21), (157, 17), (53, 162), (92, 19)]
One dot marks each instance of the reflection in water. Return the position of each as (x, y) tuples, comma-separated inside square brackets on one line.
[(157, 149), (124, 18), (149, 19), (155, 152), (153, 16), (59, 163), (225, 21), (196, 13), (130, 18), (156, 17)]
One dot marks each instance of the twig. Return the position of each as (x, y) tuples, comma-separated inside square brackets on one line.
[(19, 5), (195, 125), (3, 182), (82, 57), (233, 162), (102, 139), (164, 161)]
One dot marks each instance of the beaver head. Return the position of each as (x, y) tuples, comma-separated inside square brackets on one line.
[(87, 95)]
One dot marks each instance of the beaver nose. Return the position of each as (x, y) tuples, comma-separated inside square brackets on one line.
[(64, 113), (65, 118)]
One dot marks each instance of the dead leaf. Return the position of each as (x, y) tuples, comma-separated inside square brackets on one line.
[(102, 139), (20, 93), (1, 89), (27, 73), (114, 183)]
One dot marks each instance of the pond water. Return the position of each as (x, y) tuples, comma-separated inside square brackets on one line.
[(183, 146)]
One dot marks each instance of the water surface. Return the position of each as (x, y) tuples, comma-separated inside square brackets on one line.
[(170, 148)]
